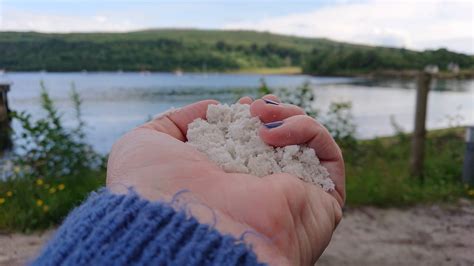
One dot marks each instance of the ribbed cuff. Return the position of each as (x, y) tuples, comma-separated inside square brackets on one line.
[(110, 229)]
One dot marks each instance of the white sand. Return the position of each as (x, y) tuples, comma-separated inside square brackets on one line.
[(230, 138)]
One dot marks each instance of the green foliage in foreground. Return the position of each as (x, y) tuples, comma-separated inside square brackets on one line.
[(377, 174), (57, 169), (207, 50), (37, 205), (378, 171), (338, 119), (53, 170)]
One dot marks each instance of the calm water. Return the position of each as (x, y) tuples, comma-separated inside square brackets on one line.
[(116, 102)]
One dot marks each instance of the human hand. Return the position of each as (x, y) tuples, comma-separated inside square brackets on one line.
[(293, 221)]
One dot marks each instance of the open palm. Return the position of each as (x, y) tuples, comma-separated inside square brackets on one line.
[(287, 221)]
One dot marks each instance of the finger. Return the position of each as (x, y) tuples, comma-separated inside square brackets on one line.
[(245, 100), (302, 129), (269, 111), (271, 97), (176, 123)]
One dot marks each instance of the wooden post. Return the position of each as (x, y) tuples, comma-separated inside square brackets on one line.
[(468, 166), (5, 130), (419, 132)]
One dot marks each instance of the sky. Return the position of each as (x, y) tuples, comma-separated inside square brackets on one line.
[(412, 24)]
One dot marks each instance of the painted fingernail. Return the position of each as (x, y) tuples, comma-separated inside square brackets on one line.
[(268, 101), (273, 124)]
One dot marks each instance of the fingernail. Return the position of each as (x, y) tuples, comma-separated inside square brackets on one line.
[(270, 102), (273, 124)]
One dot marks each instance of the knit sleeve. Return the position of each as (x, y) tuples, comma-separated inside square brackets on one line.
[(110, 229)]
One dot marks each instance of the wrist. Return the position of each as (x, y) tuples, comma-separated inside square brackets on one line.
[(195, 206), (126, 229)]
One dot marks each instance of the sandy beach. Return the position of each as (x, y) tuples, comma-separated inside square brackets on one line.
[(421, 235)]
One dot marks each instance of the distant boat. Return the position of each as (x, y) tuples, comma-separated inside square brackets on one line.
[(2, 71), (145, 72)]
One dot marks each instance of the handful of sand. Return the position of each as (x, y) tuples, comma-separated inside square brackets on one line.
[(229, 137)]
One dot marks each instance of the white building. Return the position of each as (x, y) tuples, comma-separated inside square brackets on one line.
[(453, 67)]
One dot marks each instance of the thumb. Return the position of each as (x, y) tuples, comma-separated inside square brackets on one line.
[(176, 123)]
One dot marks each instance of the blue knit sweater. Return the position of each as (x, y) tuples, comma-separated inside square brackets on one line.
[(111, 229)]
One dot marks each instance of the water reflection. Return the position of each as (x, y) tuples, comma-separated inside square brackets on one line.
[(114, 103)]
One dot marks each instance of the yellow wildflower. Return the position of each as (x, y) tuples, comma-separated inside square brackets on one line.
[(52, 190), (16, 169), (39, 182), (9, 193), (39, 203), (61, 186), (2, 200), (470, 192), (45, 208)]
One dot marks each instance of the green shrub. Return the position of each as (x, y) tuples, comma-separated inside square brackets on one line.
[(378, 170), (338, 119), (53, 169), (340, 123)]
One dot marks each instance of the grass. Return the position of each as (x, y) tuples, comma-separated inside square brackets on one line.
[(378, 171), (291, 70), (377, 174), (39, 203)]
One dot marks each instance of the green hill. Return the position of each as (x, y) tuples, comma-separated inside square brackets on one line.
[(205, 50)]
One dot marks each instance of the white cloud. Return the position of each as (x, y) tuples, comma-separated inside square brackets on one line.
[(414, 24), (411, 24), (17, 20)]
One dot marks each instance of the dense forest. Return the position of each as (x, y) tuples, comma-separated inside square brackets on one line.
[(206, 50)]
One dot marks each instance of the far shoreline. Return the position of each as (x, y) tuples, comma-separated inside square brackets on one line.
[(382, 74)]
